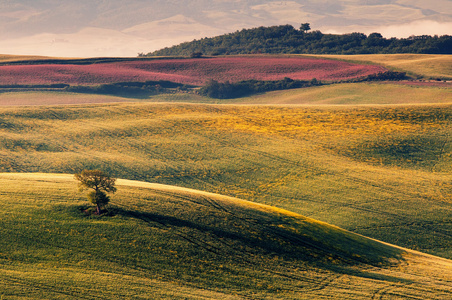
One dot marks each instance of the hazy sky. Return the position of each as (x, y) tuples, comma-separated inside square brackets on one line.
[(125, 28)]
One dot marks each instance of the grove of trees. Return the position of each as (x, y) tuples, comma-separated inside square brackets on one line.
[(228, 90), (287, 39)]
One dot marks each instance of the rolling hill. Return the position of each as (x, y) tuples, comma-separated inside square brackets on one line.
[(174, 243), (381, 171), (194, 71), (239, 76), (372, 158), (415, 65)]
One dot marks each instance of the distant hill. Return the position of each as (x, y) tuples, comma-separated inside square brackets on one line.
[(287, 39)]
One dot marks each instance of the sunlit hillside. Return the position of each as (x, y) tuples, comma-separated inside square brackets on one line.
[(163, 242), (357, 94), (427, 66)]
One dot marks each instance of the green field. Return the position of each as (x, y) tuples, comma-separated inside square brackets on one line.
[(356, 94), (379, 171), (335, 94), (426, 66), (371, 158), (162, 242)]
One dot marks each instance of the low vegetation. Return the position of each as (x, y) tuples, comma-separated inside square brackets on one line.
[(196, 71), (171, 243)]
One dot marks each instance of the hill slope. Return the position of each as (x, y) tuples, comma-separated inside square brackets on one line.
[(361, 168), (426, 66), (170, 243), (371, 93)]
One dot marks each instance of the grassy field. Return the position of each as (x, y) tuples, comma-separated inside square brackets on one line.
[(427, 66), (162, 242), (356, 94), (372, 158), (31, 98), (381, 171), (335, 94)]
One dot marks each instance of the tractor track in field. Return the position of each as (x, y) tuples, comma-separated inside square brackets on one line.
[(262, 225), (313, 169), (298, 281), (381, 292), (139, 268), (242, 256), (390, 292)]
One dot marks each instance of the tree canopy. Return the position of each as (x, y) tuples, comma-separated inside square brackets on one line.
[(100, 183), (305, 27), (287, 39)]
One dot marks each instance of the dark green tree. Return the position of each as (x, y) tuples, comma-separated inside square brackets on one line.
[(100, 183), (196, 55), (305, 27)]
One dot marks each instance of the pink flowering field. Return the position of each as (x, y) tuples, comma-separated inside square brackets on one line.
[(187, 71)]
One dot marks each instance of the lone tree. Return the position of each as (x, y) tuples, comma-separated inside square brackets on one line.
[(101, 184), (305, 27)]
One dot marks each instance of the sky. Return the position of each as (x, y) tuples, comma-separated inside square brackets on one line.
[(93, 28)]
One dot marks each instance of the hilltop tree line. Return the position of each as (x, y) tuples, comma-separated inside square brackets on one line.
[(286, 39)]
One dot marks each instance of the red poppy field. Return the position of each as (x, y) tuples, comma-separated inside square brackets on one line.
[(186, 71)]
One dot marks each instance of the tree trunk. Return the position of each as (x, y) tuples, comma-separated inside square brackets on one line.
[(98, 209)]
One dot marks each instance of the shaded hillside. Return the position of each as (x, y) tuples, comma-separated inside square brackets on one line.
[(173, 243), (287, 39)]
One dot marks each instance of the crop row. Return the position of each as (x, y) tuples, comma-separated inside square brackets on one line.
[(186, 71)]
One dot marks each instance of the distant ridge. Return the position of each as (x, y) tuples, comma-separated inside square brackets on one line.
[(286, 39)]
